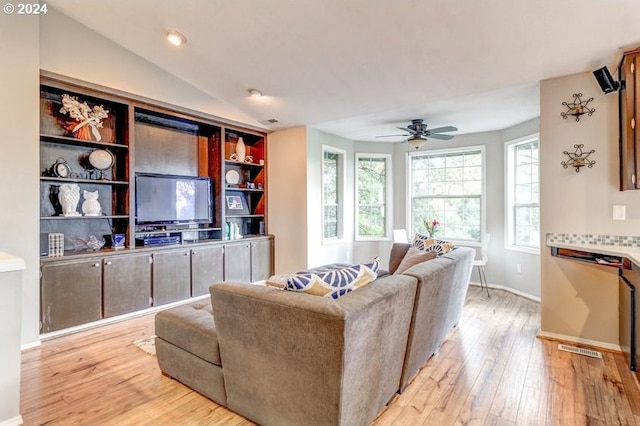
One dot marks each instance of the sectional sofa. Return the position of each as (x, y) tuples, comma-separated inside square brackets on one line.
[(285, 358)]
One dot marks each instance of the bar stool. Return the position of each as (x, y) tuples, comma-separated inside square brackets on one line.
[(482, 262)]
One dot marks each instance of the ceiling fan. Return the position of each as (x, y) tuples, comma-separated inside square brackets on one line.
[(418, 133)]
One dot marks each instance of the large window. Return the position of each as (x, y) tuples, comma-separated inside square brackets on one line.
[(523, 196), (447, 185), (372, 195), (332, 192)]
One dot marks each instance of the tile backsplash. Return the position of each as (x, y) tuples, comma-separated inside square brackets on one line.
[(604, 240)]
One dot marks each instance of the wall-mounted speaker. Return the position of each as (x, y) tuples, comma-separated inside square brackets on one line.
[(605, 80)]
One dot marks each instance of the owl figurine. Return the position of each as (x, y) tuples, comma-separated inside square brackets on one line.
[(90, 205)]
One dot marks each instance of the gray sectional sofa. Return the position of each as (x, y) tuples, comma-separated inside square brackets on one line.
[(286, 358)]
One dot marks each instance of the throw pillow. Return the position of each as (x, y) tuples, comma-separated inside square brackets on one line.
[(413, 257), (278, 281), (426, 243), (337, 283)]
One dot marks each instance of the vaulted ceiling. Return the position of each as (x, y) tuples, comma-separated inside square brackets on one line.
[(359, 68)]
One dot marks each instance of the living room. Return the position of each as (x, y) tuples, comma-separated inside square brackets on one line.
[(578, 303)]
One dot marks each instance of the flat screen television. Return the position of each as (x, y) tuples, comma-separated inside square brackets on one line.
[(163, 199)]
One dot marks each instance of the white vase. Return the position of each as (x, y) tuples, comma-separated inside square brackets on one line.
[(90, 205), (241, 150), (69, 197)]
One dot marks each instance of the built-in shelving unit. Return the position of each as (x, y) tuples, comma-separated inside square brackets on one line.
[(138, 137)]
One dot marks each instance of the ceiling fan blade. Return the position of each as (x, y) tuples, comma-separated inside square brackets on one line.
[(439, 136), (443, 129), (391, 136), (406, 129)]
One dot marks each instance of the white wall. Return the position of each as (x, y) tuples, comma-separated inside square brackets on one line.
[(581, 300), (501, 269), (19, 136), (287, 198)]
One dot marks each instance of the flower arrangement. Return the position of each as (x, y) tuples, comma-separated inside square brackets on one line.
[(431, 226), (88, 118)]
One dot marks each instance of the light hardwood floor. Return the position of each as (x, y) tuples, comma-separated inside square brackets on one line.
[(491, 370)]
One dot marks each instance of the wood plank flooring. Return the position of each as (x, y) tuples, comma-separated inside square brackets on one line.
[(491, 370)]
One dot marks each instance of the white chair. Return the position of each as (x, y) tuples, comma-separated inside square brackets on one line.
[(400, 236), (482, 262)]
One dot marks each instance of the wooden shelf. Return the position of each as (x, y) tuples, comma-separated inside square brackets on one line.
[(84, 181), (242, 163), (65, 140), (117, 216), (244, 215)]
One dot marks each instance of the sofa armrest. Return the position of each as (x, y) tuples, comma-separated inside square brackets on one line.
[(293, 358)]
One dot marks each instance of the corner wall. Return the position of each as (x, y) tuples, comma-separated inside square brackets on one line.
[(20, 138), (579, 300)]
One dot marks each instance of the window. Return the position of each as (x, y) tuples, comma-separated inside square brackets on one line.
[(448, 185), (372, 195), (523, 197), (332, 192)]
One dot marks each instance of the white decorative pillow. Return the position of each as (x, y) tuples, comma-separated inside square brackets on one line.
[(427, 244), (336, 283), (278, 281)]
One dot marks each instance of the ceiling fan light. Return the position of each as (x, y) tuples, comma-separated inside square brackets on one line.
[(416, 142)]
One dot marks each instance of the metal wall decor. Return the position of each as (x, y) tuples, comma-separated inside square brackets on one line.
[(578, 107), (578, 158)]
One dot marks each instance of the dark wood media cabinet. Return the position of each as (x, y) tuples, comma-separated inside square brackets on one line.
[(132, 135)]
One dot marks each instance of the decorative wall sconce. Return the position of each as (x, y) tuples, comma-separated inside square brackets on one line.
[(578, 158), (577, 107)]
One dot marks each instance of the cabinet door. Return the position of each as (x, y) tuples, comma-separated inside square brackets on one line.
[(261, 256), (171, 276), (628, 306), (207, 267), (70, 294), (237, 262), (126, 285), (629, 103)]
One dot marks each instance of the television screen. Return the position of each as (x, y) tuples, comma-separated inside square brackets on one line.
[(173, 199)]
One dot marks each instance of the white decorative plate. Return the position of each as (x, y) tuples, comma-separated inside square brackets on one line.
[(232, 177)]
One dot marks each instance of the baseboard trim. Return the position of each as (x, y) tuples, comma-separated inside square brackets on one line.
[(579, 340), (30, 345), (14, 421), (510, 290)]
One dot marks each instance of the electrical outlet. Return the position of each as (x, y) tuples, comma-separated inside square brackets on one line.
[(619, 212), (519, 268)]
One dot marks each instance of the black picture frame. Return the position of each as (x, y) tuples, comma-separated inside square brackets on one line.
[(236, 203)]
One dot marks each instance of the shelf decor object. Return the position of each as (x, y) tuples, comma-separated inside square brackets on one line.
[(578, 158), (91, 205), (69, 195), (87, 120), (241, 150), (578, 107)]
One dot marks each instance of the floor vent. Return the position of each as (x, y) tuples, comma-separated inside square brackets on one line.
[(580, 351)]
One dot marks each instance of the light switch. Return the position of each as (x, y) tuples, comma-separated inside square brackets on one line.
[(619, 212)]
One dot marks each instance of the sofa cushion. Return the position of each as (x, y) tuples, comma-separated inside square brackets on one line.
[(426, 243), (398, 251), (413, 257), (334, 283), (191, 328)]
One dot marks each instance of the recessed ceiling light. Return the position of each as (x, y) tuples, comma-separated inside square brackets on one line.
[(255, 93), (176, 38)]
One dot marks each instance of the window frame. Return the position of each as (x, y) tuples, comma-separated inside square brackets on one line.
[(483, 186), (388, 220), (340, 192), (509, 183)]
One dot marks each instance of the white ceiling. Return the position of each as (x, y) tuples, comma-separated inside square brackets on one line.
[(358, 68)]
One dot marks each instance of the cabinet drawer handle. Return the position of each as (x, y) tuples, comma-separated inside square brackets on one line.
[(186, 254), (108, 262), (194, 253), (96, 265)]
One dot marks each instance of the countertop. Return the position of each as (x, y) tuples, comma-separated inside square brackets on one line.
[(631, 253), (10, 263)]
